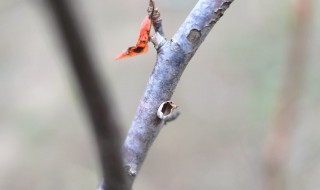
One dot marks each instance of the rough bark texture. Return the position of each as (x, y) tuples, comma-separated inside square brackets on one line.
[(173, 56)]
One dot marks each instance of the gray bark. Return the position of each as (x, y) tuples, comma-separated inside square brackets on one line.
[(172, 58)]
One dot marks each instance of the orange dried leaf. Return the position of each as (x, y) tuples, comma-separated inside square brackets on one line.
[(142, 44)]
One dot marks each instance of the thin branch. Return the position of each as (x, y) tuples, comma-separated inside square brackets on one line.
[(173, 56), (280, 137), (157, 22), (105, 126)]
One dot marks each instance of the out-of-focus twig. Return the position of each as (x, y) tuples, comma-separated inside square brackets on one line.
[(105, 126), (280, 137), (172, 58)]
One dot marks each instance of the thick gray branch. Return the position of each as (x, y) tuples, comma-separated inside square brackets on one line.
[(173, 56)]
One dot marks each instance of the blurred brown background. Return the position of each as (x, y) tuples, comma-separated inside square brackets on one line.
[(229, 97)]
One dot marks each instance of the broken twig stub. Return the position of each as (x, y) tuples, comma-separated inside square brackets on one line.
[(167, 111)]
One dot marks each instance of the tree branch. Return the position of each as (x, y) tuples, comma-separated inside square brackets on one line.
[(173, 56), (279, 139), (105, 126)]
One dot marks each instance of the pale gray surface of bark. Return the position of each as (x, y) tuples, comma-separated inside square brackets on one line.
[(172, 58)]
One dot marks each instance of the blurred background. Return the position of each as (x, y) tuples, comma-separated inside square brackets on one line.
[(250, 97)]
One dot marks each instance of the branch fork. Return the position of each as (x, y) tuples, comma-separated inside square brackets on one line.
[(173, 56)]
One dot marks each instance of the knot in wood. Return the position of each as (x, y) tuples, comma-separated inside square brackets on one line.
[(194, 36)]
